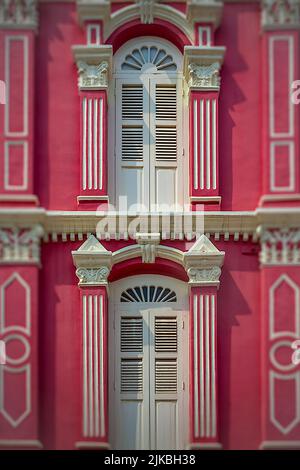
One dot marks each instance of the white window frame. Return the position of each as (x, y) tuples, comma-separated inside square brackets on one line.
[(182, 135)]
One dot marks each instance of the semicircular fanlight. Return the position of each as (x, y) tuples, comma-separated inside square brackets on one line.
[(149, 55), (148, 294)]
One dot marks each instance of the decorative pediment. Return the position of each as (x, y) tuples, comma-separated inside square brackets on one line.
[(93, 262), (203, 262)]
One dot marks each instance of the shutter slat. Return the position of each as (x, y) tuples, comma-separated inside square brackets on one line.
[(131, 376), (132, 143), (166, 376), (166, 120), (131, 335), (165, 334), (132, 102)]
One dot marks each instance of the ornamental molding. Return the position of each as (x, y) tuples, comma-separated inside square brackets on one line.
[(202, 66), (204, 11), (280, 14), (148, 243), (203, 263), (20, 245), (145, 10), (92, 276), (18, 14), (279, 246), (93, 262), (93, 65), (204, 76)]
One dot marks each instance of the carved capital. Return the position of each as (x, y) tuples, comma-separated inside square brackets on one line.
[(203, 276), (16, 14), (202, 66), (20, 245), (279, 246), (279, 14), (94, 66), (92, 277), (92, 76), (204, 76)]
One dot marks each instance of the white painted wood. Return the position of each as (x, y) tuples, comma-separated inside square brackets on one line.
[(149, 407)]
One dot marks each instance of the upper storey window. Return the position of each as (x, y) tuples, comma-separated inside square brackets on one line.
[(148, 125)]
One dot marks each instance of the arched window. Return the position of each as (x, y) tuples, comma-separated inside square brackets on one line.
[(148, 125)]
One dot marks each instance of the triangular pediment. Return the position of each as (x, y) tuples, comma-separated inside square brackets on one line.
[(92, 244), (204, 246)]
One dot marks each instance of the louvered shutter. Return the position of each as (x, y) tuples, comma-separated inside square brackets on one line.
[(132, 122), (165, 177), (132, 142), (131, 347), (166, 123), (166, 349)]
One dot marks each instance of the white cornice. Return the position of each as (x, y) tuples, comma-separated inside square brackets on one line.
[(75, 225), (208, 11)]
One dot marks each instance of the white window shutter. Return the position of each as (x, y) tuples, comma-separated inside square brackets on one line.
[(132, 122), (166, 123), (166, 348)]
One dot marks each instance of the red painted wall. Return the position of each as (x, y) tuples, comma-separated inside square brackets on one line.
[(57, 104)]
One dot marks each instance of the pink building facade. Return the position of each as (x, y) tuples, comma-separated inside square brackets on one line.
[(149, 224)]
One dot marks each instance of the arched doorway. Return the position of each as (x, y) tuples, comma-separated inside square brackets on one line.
[(148, 363)]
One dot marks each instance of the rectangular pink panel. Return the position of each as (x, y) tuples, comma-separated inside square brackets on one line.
[(282, 166), (16, 166), (281, 63), (16, 78)]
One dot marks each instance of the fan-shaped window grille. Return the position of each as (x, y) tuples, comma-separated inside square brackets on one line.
[(138, 58), (148, 294)]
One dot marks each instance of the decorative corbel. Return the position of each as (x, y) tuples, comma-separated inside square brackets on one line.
[(148, 243)]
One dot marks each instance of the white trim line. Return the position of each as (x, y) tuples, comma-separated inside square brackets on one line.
[(21, 443)]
